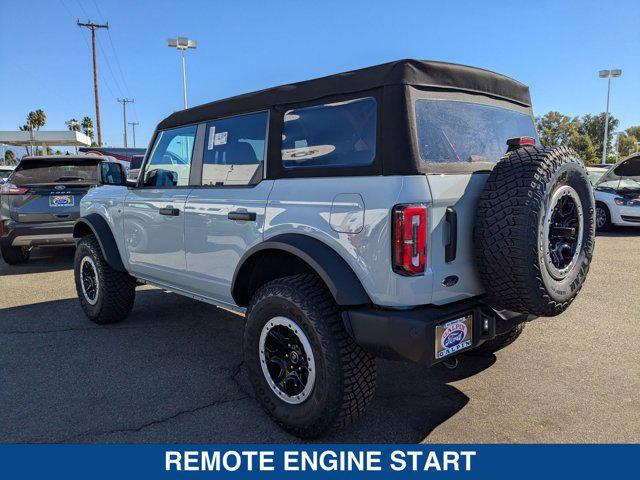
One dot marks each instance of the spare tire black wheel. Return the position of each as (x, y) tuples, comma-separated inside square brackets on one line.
[(535, 230)]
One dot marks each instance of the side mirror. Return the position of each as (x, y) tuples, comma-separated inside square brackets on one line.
[(112, 173)]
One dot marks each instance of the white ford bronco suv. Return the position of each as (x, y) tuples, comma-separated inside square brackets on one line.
[(403, 211)]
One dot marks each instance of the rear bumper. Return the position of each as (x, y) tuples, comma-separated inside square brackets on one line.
[(409, 335), (37, 234)]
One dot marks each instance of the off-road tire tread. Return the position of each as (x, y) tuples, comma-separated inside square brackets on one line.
[(118, 289), (357, 367), (507, 220)]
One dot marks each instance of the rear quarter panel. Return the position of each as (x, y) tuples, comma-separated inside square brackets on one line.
[(307, 205)]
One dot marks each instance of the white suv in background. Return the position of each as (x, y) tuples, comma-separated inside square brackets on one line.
[(617, 194)]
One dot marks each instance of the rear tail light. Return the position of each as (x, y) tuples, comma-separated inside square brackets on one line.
[(409, 238), (515, 143), (9, 189)]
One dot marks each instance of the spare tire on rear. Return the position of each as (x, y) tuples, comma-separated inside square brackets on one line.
[(535, 230)]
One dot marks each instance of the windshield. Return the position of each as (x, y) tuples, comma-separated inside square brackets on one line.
[(47, 172), (454, 131), (595, 175)]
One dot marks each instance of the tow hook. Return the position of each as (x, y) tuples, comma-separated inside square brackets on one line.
[(451, 362)]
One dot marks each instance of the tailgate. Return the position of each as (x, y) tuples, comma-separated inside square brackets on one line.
[(459, 194), (46, 204)]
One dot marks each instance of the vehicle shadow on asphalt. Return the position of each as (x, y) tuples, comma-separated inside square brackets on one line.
[(172, 372), (48, 259), (621, 232)]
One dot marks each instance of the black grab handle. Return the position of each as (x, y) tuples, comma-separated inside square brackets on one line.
[(243, 216), (451, 217), (170, 212)]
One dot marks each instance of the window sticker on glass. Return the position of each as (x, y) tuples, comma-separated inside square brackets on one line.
[(212, 133), (220, 138)]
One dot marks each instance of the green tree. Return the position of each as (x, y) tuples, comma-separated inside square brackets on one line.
[(593, 127), (583, 146), (41, 119), (9, 157), (87, 127), (555, 129), (626, 144), (73, 125), (633, 131)]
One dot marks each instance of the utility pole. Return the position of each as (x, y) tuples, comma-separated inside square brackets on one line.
[(124, 102), (133, 127), (93, 26)]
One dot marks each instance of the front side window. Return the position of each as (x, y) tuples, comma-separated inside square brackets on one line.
[(341, 134), (170, 162), (451, 131)]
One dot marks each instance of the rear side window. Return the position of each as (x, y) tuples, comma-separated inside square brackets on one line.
[(51, 172), (341, 134), (170, 162), (453, 131), (235, 149)]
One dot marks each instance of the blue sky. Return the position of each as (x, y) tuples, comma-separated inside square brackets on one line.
[(555, 47)]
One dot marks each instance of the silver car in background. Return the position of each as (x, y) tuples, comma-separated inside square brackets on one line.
[(5, 171)]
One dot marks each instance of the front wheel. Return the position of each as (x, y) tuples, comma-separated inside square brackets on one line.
[(603, 218), (106, 295), (306, 371)]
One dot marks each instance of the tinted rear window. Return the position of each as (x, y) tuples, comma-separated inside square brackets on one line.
[(68, 172), (341, 134), (453, 132)]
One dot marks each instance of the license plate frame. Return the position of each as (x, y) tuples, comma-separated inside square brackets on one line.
[(454, 336), (56, 201)]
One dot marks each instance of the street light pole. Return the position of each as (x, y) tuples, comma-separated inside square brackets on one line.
[(182, 44), (607, 74)]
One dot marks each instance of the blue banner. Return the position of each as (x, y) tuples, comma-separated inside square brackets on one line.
[(318, 461)]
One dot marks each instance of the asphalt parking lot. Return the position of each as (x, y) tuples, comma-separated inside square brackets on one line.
[(172, 372)]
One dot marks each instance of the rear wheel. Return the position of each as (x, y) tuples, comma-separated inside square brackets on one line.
[(15, 255), (603, 217), (306, 371), (106, 295)]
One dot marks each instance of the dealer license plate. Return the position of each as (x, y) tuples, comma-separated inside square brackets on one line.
[(61, 200), (454, 336)]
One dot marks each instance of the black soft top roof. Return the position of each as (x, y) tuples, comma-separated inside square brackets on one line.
[(402, 72)]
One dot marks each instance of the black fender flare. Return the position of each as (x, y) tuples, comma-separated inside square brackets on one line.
[(101, 230), (342, 282)]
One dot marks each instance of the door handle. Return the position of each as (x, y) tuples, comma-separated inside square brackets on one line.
[(451, 218), (242, 216), (170, 212)]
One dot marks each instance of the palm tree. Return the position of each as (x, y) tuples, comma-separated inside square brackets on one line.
[(26, 128), (73, 125), (41, 118), (87, 127)]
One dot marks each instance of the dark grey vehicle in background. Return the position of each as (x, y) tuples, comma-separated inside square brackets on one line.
[(40, 202)]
